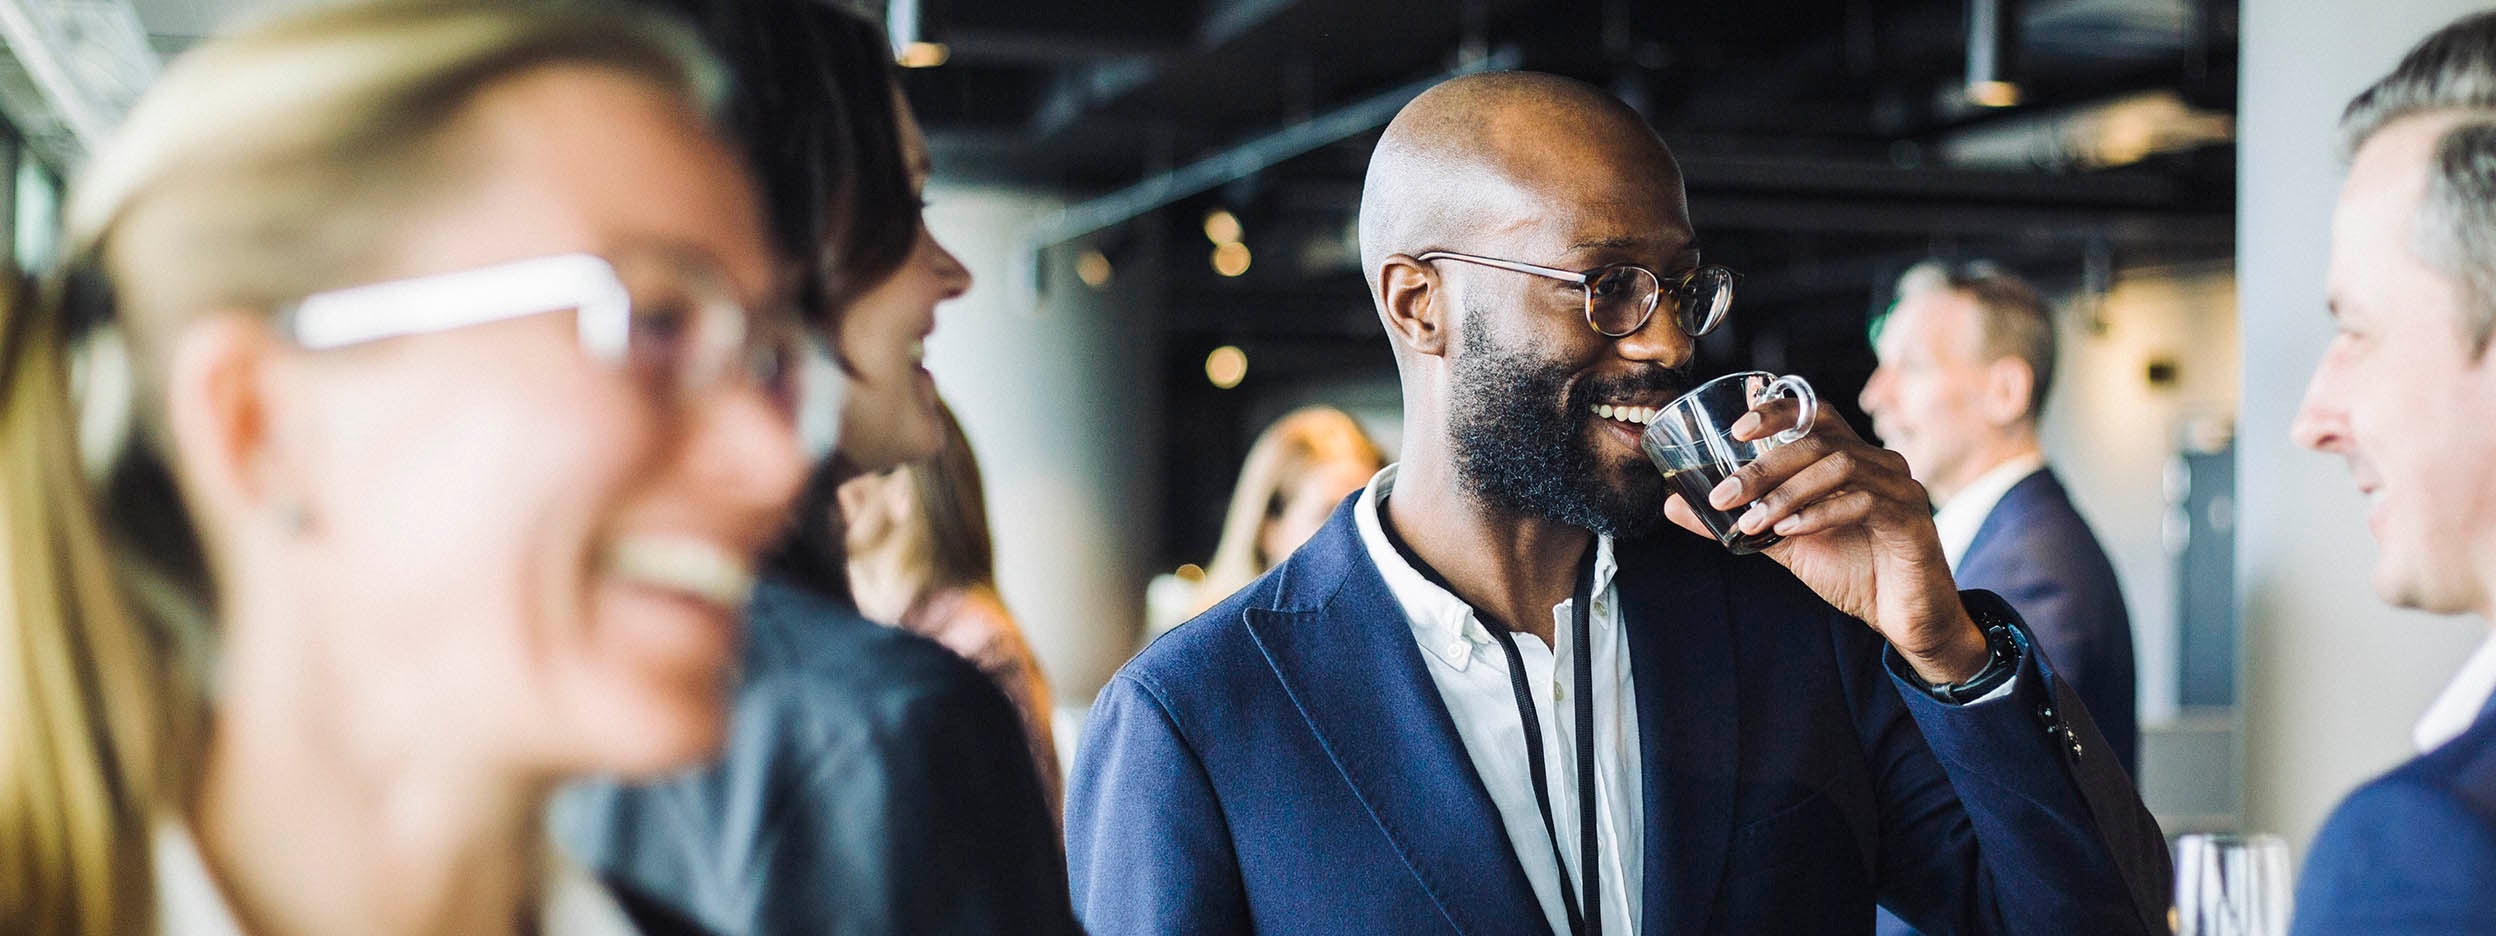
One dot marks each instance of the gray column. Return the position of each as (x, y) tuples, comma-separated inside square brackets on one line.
[(1059, 392)]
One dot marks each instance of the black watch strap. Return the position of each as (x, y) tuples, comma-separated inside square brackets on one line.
[(2003, 640)]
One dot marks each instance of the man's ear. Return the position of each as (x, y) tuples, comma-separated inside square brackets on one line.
[(1408, 292), (2009, 385), (218, 415)]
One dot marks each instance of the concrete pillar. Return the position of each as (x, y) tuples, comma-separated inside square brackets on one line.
[(1059, 392)]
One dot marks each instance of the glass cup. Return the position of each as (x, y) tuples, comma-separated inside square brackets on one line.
[(2230, 885), (1691, 442)]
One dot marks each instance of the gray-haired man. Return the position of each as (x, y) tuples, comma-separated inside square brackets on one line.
[(2406, 393)]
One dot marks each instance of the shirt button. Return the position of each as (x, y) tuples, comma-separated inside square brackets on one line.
[(1559, 693)]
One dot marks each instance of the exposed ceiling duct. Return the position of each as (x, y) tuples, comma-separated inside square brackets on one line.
[(75, 66)]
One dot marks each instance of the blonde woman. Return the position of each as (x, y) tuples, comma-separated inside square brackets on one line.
[(463, 414), (1300, 468), (920, 558)]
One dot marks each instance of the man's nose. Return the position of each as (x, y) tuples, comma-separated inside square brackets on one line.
[(1660, 340), (1875, 391), (2322, 424)]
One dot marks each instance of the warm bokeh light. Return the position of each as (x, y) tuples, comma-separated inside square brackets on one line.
[(1993, 93), (1222, 227), (1226, 366), (923, 55), (1093, 269), (1231, 259)]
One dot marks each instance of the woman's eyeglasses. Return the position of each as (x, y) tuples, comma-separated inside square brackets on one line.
[(667, 317)]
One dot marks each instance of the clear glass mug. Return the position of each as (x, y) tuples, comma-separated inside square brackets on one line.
[(1692, 443), (2231, 885)]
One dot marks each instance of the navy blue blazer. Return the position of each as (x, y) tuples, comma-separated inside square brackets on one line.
[(1283, 763), (2412, 851), (2036, 552)]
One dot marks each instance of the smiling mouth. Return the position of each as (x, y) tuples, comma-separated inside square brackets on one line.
[(695, 568), (1637, 416)]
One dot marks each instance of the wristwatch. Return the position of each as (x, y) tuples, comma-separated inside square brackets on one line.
[(2004, 641)]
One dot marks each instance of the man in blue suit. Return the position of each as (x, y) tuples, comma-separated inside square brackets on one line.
[(2406, 393), (1967, 358), (1492, 696)]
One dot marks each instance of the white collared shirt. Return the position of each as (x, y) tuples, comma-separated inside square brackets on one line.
[(1471, 673), (189, 904), (1959, 520), (2461, 701)]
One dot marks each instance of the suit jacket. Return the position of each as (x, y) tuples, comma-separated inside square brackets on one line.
[(1283, 763), (873, 782), (2036, 552), (2413, 851)]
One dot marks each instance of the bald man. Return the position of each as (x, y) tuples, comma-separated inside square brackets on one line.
[(1497, 693)]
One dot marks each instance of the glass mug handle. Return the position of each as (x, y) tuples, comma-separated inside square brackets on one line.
[(1800, 390)]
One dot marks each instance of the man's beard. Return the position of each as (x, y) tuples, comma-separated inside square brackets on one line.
[(1524, 440)]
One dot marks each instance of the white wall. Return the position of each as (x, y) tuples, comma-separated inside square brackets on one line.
[(2332, 678), (2111, 434), (1058, 393)]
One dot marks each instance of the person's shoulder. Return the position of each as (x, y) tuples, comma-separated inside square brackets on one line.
[(2418, 842), (813, 655), (2037, 520), (2439, 805)]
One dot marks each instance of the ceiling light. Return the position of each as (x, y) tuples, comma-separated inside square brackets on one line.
[(1993, 93), (1093, 269), (1222, 227), (1231, 259), (923, 55), (1226, 366)]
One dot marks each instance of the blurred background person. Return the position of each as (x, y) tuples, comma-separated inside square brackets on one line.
[(920, 558), (1300, 468), (874, 782), (460, 419), (1966, 361), (84, 687)]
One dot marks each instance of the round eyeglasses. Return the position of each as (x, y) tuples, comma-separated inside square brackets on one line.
[(1621, 297)]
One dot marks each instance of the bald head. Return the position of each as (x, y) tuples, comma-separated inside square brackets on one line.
[(1480, 156)]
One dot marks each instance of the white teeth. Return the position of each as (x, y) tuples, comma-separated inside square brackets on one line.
[(1634, 415), (918, 351), (688, 566)]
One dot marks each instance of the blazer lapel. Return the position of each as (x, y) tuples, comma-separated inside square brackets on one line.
[(1673, 599), (1338, 641)]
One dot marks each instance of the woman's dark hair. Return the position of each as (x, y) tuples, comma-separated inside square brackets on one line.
[(814, 104), (947, 489)]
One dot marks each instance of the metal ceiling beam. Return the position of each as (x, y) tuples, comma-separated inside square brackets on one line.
[(85, 62), (1243, 160)]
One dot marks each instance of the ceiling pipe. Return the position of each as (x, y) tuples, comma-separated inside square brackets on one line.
[(1236, 163), (87, 61)]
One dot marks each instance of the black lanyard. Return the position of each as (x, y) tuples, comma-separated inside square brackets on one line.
[(1588, 922)]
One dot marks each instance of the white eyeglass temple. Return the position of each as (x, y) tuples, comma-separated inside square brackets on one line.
[(445, 301)]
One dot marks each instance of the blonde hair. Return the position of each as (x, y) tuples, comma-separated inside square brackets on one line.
[(261, 167), (1292, 448)]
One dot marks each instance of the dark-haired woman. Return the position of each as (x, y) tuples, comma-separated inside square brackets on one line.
[(873, 782)]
